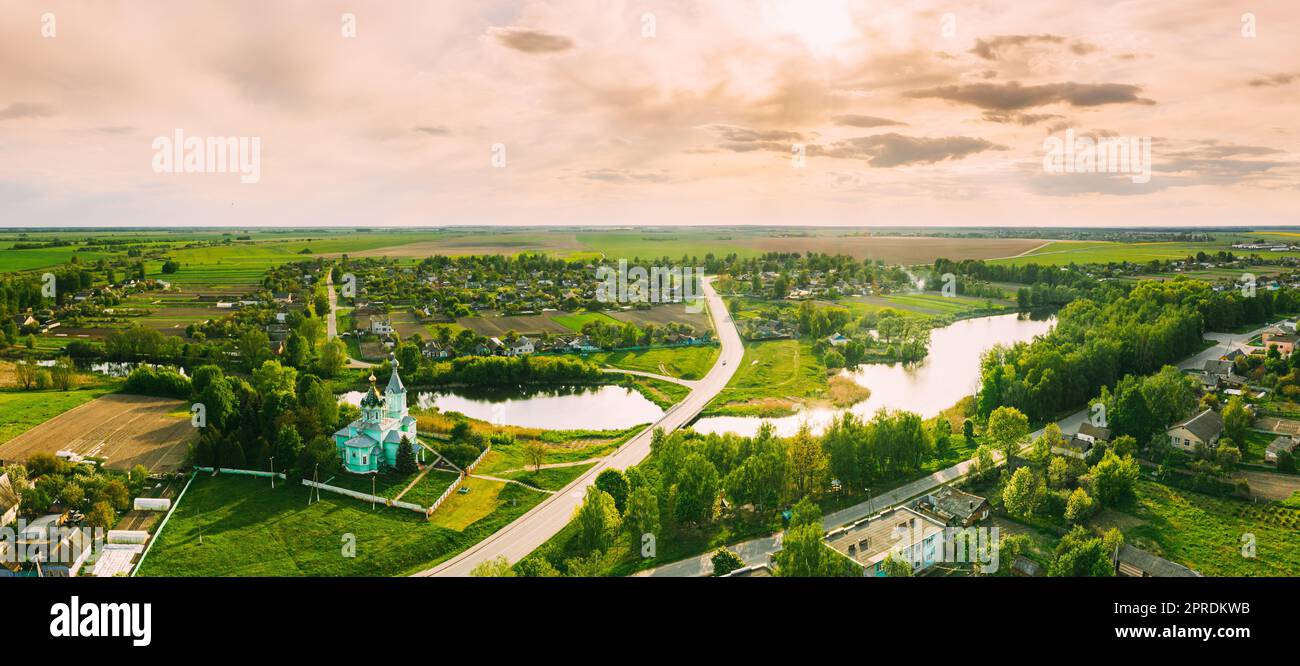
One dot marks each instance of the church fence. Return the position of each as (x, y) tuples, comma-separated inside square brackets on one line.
[(246, 472), (459, 480), (366, 497)]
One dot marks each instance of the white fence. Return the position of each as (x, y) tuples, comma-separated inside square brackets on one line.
[(455, 485), (245, 472), (366, 497)]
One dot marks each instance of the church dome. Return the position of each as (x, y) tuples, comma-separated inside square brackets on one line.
[(372, 398)]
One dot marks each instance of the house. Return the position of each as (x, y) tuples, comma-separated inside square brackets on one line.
[(1093, 433), (1026, 568), (583, 343), (381, 326), (523, 346), (371, 443), (1234, 355), (282, 296), (1284, 342), (838, 340), (953, 507), (908, 534), (9, 501), (434, 349), (1201, 430), (25, 321), (277, 332), (1282, 443), (1137, 563)]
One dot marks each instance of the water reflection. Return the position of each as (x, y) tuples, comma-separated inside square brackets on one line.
[(949, 373), (551, 408)]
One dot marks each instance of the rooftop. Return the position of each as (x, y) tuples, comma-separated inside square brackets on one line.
[(870, 540)]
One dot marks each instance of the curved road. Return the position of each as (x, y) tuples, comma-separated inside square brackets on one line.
[(532, 529)]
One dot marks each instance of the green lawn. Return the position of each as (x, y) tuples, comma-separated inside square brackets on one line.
[(575, 321), (1206, 533), (680, 362), (237, 526), (772, 375), (553, 478), (24, 410)]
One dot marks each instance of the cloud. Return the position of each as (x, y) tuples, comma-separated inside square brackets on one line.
[(988, 48), (1274, 80), (1024, 119), (1012, 96), (746, 135), (26, 110), (432, 130), (855, 120), (888, 150), (528, 40), (623, 176), (993, 47)]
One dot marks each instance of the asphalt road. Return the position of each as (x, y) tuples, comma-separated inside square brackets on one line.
[(759, 550), (532, 529), (331, 320)]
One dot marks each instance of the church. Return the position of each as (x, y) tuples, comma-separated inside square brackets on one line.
[(370, 444)]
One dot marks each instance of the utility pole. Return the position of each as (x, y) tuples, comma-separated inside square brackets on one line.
[(272, 472), (372, 493)]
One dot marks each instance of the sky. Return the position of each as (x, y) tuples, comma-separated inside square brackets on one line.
[(610, 112)]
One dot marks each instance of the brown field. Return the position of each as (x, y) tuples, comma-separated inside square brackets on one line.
[(406, 323), (664, 314), (125, 430), (495, 243), (522, 324), (1271, 485), (901, 249)]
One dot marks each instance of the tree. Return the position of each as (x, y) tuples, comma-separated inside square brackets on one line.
[(1023, 493), (101, 515), (968, 430), (116, 494), (333, 356), (1114, 479), (1081, 554), (534, 453), (983, 463), (1079, 506), (897, 567), (805, 512), (807, 462), (63, 374), (73, 495), (406, 457), (803, 554), (697, 490), (613, 482), (1058, 472), (1285, 461), (725, 562), (494, 568), (597, 520), (1006, 429), (1236, 419), (1009, 548), (642, 515)]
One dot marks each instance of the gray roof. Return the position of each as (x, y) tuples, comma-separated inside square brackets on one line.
[(949, 502), (1282, 443), (1205, 425), (1026, 567), (1158, 567), (8, 497), (1097, 432), (1218, 367)]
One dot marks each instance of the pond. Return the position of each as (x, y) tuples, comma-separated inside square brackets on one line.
[(949, 373), (550, 408)]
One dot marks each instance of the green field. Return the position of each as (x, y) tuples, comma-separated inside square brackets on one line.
[(575, 321), (1061, 253), (24, 410), (553, 478), (1206, 533), (772, 377), (237, 526), (680, 362)]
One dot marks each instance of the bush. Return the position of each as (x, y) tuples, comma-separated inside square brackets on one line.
[(160, 382)]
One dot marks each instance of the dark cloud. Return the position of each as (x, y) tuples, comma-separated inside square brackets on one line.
[(855, 120), (432, 130), (1019, 118), (531, 41), (888, 150), (1274, 80), (993, 47), (988, 48), (1012, 96), (26, 110)]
